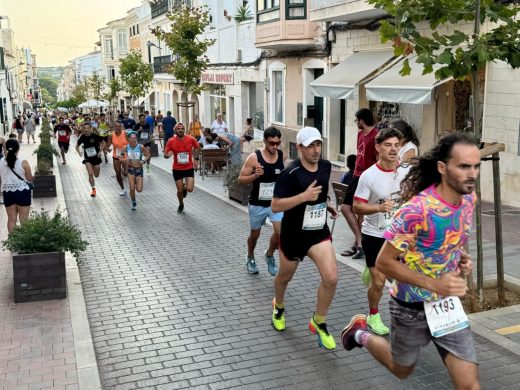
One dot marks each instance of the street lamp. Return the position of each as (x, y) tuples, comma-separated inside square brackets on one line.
[(150, 44)]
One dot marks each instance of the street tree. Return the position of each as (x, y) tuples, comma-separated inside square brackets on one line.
[(183, 37), (114, 87), (449, 52), (136, 75), (50, 84), (80, 93), (95, 84)]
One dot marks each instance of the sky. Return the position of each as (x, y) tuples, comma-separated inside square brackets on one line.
[(60, 30)]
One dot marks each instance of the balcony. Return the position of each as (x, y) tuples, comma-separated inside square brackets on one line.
[(160, 64), (342, 10), (158, 8), (286, 27)]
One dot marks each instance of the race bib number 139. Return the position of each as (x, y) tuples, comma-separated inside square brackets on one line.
[(445, 316)]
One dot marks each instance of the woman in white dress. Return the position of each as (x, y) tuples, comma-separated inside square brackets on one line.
[(409, 144)]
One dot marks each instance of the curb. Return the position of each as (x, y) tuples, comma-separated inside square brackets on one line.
[(86, 363)]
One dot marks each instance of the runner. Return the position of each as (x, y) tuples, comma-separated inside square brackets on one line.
[(92, 153), (301, 193), (424, 252), (118, 139), (376, 197), (144, 134), (262, 169), (128, 123), (181, 147), (64, 132), (104, 131), (136, 155)]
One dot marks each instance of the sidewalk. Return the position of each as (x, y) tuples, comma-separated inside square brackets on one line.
[(45, 344)]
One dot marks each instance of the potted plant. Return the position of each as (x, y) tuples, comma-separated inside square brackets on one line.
[(45, 151), (44, 180), (236, 191), (38, 247), (243, 14)]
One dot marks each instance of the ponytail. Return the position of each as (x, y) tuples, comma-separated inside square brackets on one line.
[(12, 147)]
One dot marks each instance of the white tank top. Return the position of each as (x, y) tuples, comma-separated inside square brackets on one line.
[(9, 180)]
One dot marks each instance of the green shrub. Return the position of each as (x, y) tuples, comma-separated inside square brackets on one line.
[(231, 175), (43, 233), (43, 166), (45, 152)]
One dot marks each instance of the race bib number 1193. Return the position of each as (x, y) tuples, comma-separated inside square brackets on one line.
[(445, 316)]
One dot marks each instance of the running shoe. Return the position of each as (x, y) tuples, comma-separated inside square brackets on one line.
[(359, 255), (325, 339), (134, 206), (180, 209), (147, 168), (122, 192), (271, 264), (358, 322), (376, 325), (366, 277), (251, 265), (93, 193), (64, 162), (278, 317)]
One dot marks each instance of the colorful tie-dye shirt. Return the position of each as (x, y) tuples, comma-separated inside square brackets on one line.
[(432, 234)]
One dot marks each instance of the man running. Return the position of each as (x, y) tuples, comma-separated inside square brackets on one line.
[(144, 134), (104, 131), (118, 139), (181, 147), (377, 195), (424, 253), (64, 132), (262, 169), (92, 153), (128, 123), (301, 193), (136, 155)]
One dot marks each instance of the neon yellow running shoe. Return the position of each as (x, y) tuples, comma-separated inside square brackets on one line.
[(375, 323), (278, 318), (325, 339)]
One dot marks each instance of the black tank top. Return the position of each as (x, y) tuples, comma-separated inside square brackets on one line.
[(271, 172)]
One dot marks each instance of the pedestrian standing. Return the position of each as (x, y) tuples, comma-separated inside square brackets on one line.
[(262, 168), (182, 148), (301, 192), (195, 128), (365, 158), (19, 127), (219, 126), (424, 253), (168, 125), (15, 175), (30, 128), (410, 142)]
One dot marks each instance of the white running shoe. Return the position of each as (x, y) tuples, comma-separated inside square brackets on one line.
[(122, 192)]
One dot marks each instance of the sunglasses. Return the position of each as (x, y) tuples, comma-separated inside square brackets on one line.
[(273, 143)]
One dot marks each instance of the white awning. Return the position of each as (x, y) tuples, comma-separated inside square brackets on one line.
[(140, 102), (390, 86), (339, 82)]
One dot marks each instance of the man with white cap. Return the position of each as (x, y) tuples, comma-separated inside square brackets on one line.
[(301, 193)]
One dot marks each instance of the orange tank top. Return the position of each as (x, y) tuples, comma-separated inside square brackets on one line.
[(119, 143)]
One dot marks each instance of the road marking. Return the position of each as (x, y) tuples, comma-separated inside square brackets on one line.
[(508, 330)]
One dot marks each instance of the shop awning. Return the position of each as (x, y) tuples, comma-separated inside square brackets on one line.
[(140, 102), (339, 82), (390, 86)]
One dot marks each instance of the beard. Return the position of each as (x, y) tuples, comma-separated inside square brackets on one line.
[(461, 187)]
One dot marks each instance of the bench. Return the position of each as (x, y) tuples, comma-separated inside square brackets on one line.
[(218, 157)]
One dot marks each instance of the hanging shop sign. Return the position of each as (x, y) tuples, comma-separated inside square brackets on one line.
[(217, 77)]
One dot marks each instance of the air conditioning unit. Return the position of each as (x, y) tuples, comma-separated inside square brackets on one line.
[(239, 55)]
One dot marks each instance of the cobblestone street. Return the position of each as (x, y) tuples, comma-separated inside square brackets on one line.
[(170, 303)]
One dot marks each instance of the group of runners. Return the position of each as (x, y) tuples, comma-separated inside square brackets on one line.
[(129, 143), (416, 224)]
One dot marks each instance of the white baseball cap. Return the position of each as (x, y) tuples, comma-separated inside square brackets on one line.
[(308, 135)]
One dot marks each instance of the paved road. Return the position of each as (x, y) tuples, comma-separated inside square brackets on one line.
[(171, 306)]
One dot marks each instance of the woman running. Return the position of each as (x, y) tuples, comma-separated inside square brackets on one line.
[(136, 156)]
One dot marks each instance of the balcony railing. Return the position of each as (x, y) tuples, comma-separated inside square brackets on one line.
[(158, 8), (160, 64), (269, 15)]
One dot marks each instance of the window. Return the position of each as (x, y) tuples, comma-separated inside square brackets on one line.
[(122, 42), (137, 26), (295, 9), (268, 10), (133, 29), (109, 49), (159, 8), (130, 31), (277, 96), (111, 73)]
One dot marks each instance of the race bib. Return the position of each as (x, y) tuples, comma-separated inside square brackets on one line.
[(266, 191), (183, 158), (120, 152), (144, 136), (385, 219), (62, 133), (91, 152), (445, 316), (134, 155), (315, 217)]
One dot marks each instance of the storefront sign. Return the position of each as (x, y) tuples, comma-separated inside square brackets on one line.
[(217, 77)]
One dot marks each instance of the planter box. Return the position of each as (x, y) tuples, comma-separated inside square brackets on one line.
[(154, 150), (39, 276), (44, 186), (240, 193)]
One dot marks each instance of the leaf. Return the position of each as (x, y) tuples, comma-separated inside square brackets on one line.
[(457, 38), (445, 58), (405, 70)]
